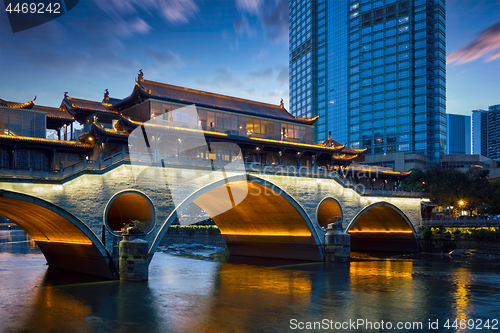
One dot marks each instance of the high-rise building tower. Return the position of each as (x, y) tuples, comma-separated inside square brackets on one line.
[(486, 132), (493, 151), (374, 70), (479, 132), (458, 139)]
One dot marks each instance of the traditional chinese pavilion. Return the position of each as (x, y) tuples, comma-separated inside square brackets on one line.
[(267, 134)]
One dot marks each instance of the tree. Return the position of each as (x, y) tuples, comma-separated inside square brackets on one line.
[(469, 190)]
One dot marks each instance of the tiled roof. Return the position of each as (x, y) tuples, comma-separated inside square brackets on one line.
[(128, 123), (332, 143), (25, 139), (212, 100), (168, 92), (27, 105), (97, 129), (53, 112), (75, 103)]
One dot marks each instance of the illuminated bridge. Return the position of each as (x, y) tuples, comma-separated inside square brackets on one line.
[(74, 220), (74, 196)]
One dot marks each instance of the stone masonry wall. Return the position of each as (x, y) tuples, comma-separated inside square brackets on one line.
[(86, 196)]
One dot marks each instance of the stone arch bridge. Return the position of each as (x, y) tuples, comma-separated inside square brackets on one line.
[(282, 214)]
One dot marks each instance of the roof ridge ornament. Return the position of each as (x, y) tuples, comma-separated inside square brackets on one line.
[(140, 76), (106, 95), (282, 105)]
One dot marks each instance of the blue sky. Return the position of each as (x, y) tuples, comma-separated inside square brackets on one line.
[(234, 47)]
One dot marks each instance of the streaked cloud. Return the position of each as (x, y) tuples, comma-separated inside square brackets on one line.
[(241, 26), (164, 57), (174, 11), (251, 6), (272, 15), (261, 75), (282, 77), (487, 41)]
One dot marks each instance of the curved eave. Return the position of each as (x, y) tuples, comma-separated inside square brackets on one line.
[(27, 105), (96, 130), (382, 172), (129, 100), (354, 150), (294, 145), (308, 121), (70, 118), (141, 93), (70, 105), (126, 123), (345, 158), (30, 140)]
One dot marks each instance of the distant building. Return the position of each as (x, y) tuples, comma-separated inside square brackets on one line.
[(494, 132), (479, 132), (458, 138), (399, 161), (486, 132)]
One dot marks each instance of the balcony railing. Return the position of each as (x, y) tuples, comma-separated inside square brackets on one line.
[(123, 157), (461, 222)]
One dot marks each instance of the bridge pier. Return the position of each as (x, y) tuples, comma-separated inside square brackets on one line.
[(337, 245), (133, 259)]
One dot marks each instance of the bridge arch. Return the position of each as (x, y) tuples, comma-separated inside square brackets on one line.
[(268, 222), (126, 206), (65, 241), (327, 210), (382, 227)]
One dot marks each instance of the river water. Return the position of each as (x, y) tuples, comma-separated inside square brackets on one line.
[(192, 290)]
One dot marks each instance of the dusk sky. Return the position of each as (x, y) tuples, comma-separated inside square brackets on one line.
[(233, 47)]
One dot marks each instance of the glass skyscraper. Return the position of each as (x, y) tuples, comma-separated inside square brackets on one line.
[(486, 132), (458, 138), (374, 70)]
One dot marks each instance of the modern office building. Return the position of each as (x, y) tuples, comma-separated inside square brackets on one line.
[(479, 132), (486, 132), (458, 138), (373, 70), (494, 132)]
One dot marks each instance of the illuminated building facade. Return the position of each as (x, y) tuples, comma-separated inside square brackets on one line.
[(268, 135)]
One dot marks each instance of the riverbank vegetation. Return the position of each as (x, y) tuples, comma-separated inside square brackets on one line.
[(457, 190)]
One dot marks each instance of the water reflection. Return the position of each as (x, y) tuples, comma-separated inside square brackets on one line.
[(462, 281), (17, 242), (385, 274)]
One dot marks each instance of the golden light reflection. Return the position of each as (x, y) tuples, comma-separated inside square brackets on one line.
[(244, 292), (382, 231), (461, 307), (55, 311), (366, 274), (268, 280)]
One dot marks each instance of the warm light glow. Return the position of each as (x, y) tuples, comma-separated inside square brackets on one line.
[(297, 144), (177, 128), (63, 241), (461, 202), (27, 138), (263, 233), (382, 231)]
